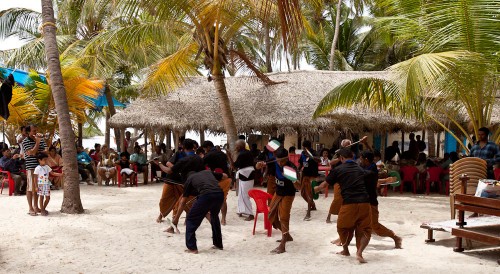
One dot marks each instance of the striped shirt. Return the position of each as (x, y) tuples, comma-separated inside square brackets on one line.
[(29, 144)]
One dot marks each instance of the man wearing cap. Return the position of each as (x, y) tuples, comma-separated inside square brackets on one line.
[(281, 204), (354, 215)]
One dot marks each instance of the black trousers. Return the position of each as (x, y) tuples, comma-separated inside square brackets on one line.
[(211, 202)]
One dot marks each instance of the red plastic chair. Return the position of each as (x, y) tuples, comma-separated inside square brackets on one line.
[(496, 171), (7, 178), (119, 175), (409, 175), (260, 197), (434, 176)]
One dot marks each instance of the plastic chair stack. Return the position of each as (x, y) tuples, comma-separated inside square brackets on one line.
[(409, 175), (260, 197), (474, 168)]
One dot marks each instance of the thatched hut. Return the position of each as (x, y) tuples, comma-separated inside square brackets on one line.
[(284, 108)]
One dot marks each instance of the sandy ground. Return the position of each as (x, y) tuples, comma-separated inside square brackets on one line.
[(118, 234)]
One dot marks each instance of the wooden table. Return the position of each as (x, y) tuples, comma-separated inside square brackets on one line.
[(489, 206)]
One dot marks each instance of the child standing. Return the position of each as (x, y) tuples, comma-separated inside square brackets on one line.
[(42, 173)]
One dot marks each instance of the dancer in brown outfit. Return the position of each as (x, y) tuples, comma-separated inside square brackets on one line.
[(281, 204), (354, 214)]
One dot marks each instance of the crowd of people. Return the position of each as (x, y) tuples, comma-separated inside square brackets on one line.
[(197, 180)]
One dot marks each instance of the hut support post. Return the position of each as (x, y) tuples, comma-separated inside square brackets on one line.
[(402, 141), (121, 139), (169, 139), (431, 144), (146, 142), (202, 136), (438, 144)]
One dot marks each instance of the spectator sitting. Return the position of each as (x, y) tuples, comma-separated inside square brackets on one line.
[(84, 165), (54, 161), (325, 157), (139, 159), (126, 172), (12, 164)]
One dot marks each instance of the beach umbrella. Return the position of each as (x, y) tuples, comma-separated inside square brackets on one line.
[(101, 102), (21, 77)]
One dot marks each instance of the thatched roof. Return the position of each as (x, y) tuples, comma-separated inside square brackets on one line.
[(287, 107)]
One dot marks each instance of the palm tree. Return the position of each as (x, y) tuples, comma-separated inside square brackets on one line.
[(197, 28), (357, 8), (71, 201), (454, 73)]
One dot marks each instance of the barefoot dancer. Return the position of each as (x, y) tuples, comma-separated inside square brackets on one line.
[(281, 204), (171, 193), (245, 175), (371, 181), (354, 214), (217, 162), (309, 167), (209, 199)]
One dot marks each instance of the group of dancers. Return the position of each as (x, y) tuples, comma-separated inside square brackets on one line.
[(198, 183)]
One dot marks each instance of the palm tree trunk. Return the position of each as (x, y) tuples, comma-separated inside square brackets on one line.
[(112, 111), (80, 133), (335, 36), (227, 113), (431, 143), (267, 41), (107, 136), (71, 201)]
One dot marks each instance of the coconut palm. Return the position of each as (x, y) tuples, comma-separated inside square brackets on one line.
[(454, 73), (357, 7), (200, 29), (71, 201)]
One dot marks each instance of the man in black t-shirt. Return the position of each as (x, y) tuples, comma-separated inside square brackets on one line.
[(308, 164), (354, 214), (216, 160), (209, 199), (371, 181), (281, 204)]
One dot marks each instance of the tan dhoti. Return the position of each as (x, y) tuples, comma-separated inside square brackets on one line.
[(271, 184), (279, 212), (306, 190), (378, 228), (354, 217), (169, 198), (337, 200), (225, 185)]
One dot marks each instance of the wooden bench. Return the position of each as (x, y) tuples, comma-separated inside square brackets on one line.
[(466, 202)]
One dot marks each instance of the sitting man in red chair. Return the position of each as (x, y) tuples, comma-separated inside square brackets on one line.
[(12, 164), (139, 159)]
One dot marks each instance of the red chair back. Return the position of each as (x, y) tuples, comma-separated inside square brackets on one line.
[(434, 173), (409, 173), (497, 173), (260, 197)]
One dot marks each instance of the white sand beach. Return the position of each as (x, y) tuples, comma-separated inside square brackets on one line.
[(118, 234)]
